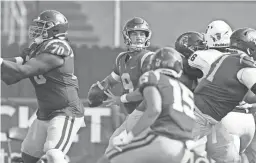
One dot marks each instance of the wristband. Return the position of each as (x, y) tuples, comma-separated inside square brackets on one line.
[(19, 60), (130, 136), (123, 98)]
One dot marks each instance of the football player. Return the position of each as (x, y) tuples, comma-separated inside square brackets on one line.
[(127, 70), (229, 79), (217, 37), (168, 112), (202, 60), (187, 44), (49, 65)]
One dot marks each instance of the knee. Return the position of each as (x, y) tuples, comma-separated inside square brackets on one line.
[(225, 154), (54, 156), (28, 159)]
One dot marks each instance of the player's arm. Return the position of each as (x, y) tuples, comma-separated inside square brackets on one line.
[(136, 95), (247, 77), (153, 101), (22, 58), (12, 72)]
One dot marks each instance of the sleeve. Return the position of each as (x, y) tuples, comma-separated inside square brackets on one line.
[(115, 73), (145, 61), (149, 78), (247, 77), (193, 73), (57, 47), (196, 61)]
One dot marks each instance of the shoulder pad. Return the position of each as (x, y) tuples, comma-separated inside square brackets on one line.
[(247, 61), (119, 56), (145, 58), (149, 78), (57, 47)]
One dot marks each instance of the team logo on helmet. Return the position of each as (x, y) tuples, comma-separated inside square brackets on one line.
[(184, 40)]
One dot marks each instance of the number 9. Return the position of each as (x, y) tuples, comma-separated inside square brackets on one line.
[(127, 83)]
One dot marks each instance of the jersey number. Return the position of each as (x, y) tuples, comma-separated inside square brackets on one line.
[(183, 99), (127, 83), (58, 49), (40, 79), (193, 57)]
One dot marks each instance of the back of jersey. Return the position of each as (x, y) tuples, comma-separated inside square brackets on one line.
[(57, 90), (176, 120), (221, 91)]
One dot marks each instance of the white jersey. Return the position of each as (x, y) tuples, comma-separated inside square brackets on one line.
[(203, 59)]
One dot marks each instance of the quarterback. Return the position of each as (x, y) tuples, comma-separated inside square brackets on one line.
[(127, 70), (49, 64)]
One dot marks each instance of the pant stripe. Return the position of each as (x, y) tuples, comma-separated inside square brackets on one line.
[(69, 134), (63, 133), (133, 145)]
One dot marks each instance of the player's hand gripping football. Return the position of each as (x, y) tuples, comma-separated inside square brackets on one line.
[(112, 99), (96, 95)]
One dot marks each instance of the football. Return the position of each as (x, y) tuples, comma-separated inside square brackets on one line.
[(96, 95)]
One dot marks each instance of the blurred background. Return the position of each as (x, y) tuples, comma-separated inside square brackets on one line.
[(95, 33)]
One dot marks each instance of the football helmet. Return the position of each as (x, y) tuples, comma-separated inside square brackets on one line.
[(136, 24), (189, 42), (167, 61), (218, 34), (48, 24), (244, 39)]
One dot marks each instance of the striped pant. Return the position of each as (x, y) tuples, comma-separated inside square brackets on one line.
[(57, 133)]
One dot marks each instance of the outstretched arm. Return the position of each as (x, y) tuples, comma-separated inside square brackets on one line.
[(13, 72)]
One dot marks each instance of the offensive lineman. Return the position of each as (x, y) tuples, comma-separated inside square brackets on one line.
[(49, 65), (217, 38)]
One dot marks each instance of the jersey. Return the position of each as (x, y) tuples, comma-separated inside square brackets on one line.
[(56, 90), (222, 90), (177, 118), (203, 59), (128, 69)]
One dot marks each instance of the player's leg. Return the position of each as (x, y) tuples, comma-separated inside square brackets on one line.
[(221, 147), (127, 125), (61, 131), (33, 145), (251, 149), (241, 125), (150, 149)]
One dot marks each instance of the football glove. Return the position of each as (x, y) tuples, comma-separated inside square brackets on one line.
[(96, 95)]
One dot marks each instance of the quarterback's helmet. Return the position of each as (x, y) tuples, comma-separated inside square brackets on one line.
[(49, 24), (218, 34), (136, 24), (167, 61), (189, 42), (244, 39)]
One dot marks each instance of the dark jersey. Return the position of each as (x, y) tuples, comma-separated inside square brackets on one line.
[(57, 90), (221, 91), (176, 120), (128, 67)]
